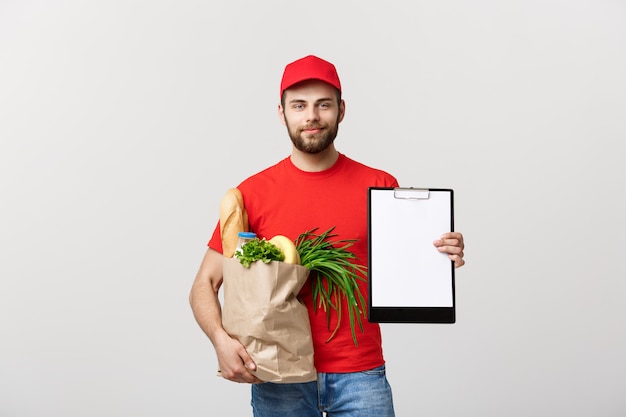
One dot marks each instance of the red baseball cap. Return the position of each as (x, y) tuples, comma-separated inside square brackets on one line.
[(309, 68)]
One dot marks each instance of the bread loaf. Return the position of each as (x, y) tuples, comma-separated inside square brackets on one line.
[(233, 219)]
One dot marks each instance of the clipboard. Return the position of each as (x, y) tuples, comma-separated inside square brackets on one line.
[(409, 280)]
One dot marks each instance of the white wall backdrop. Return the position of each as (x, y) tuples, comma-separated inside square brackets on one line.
[(122, 123)]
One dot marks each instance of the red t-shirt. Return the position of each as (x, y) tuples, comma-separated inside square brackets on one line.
[(284, 200)]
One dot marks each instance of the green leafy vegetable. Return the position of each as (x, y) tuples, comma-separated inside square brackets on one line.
[(334, 276), (258, 250)]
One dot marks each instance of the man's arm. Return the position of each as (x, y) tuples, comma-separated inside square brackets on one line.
[(233, 360)]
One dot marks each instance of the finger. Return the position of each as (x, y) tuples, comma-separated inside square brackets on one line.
[(448, 242), (458, 260), (247, 359), (253, 380), (452, 238), (250, 366), (452, 235), (241, 375), (249, 378), (452, 250)]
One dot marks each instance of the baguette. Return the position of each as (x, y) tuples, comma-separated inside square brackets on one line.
[(233, 219)]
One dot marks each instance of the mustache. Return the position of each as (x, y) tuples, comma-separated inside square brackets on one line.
[(315, 126)]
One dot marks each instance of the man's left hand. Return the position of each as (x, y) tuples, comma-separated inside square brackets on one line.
[(452, 244)]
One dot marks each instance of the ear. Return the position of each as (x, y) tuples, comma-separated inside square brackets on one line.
[(342, 111), (281, 114)]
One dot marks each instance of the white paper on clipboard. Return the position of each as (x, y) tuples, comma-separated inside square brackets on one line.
[(409, 280)]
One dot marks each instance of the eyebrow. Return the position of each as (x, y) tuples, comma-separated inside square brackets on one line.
[(296, 100)]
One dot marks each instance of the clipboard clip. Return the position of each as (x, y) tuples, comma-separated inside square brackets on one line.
[(411, 193)]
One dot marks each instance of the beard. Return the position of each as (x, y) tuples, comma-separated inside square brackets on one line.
[(313, 143)]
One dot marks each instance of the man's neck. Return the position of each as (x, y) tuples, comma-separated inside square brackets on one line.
[(315, 162)]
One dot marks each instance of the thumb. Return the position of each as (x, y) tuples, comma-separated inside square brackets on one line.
[(247, 360)]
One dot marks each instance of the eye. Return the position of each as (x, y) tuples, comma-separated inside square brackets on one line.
[(297, 106)]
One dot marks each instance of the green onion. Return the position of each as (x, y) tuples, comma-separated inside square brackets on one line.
[(334, 276)]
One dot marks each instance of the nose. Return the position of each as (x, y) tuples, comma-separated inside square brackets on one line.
[(312, 113)]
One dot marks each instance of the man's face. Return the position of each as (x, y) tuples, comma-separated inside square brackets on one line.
[(312, 112)]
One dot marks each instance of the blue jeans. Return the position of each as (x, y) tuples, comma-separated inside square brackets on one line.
[(357, 394)]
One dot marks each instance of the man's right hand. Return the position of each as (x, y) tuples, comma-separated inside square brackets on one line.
[(235, 364)]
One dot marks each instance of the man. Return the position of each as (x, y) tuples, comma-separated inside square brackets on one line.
[(315, 187)]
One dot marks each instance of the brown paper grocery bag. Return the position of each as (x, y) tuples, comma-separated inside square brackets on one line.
[(261, 309)]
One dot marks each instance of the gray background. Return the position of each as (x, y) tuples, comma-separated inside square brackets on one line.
[(122, 123)]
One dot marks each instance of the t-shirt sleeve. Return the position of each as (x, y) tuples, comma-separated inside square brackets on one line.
[(389, 180), (216, 239)]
